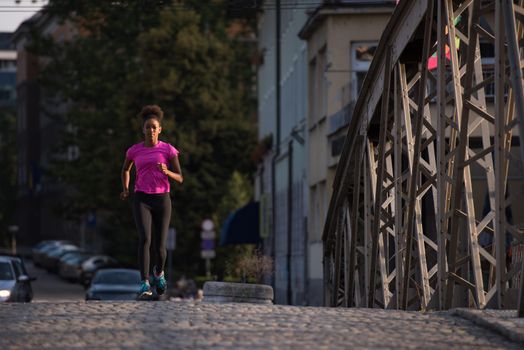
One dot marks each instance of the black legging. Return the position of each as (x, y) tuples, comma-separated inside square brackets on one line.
[(151, 210)]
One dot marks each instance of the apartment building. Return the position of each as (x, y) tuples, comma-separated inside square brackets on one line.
[(341, 39), (37, 136), (319, 58), (281, 181)]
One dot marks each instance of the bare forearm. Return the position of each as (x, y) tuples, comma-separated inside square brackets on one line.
[(175, 176), (125, 180)]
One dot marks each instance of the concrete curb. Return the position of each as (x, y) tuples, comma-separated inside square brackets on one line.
[(220, 292), (504, 322)]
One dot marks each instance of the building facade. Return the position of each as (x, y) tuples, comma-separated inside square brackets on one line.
[(281, 181), (37, 136), (319, 59), (7, 71), (341, 40)]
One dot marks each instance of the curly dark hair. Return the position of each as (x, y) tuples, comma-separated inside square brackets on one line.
[(151, 111)]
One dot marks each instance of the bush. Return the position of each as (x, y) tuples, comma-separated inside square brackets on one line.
[(251, 267)]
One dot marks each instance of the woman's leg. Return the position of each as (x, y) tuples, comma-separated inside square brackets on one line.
[(142, 214), (161, 219)]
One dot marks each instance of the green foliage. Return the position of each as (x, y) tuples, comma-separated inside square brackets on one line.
[(132, 53), (7, 170), (238, 193)]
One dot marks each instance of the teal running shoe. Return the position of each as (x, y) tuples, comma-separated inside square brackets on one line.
[(145, 290), (160, 284), (159, 281)]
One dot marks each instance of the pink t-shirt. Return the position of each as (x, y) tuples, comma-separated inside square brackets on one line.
[(149, 179)]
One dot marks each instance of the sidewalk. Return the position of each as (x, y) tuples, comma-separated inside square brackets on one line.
[(504, 322)]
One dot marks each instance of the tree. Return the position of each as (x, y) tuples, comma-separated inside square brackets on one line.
[(132, 53)]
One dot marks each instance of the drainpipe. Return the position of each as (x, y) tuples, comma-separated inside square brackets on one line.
[(289, 219), (277, 141), (278, 93)]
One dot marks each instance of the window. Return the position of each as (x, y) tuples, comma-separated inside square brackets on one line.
[(19, 269), (7, 66), (312, 91), (6, 273), (337, 145), (362, 54), (321, 80), (487, 54), (117, 277), (7, 93)]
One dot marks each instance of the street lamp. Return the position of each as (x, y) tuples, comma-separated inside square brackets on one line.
[(13, 229)]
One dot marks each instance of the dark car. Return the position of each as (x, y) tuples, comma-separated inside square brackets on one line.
[(41, 249), (70, 267), (114, 284), (50, 262), (92, 265), (15, 284)]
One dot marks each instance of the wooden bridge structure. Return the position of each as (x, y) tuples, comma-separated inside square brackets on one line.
[(436, 123)]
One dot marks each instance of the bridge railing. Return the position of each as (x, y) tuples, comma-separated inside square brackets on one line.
[(425, 201)]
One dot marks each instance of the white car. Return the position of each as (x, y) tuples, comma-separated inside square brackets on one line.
[(15, 284)]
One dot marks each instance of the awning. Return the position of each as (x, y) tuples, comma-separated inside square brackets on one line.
[(242, 226)]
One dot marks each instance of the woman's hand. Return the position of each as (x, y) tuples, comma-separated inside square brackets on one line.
[(124, 195), (126, 169), (163, 168)]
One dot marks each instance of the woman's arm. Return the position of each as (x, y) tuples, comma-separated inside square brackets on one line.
[(125, 176), (175, 165)]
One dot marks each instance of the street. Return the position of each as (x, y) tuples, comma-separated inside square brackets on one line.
[(200, 325), (59, 318), (50, 287)]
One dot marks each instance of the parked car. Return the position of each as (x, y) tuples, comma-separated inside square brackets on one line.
[(70, 267), (15, 284), (93, 264), (71, 254), (42, 248), (114, 284), (50, 261)]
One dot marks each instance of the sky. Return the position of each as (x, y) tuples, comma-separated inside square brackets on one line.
[(12, 14)]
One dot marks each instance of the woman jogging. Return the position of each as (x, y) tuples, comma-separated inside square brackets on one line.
[(153, 160)]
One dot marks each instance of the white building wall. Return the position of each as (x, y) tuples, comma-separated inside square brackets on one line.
[(293, 121)]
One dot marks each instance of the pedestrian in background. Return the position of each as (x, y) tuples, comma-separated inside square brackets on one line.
[(156, 162)]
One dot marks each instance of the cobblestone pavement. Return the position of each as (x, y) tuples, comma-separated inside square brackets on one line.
[(504, 322), (188, 325)]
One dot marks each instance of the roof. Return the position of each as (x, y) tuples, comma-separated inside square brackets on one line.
[(326, 9), (7, 258), (38, 20)]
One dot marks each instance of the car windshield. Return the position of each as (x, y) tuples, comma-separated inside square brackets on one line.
[(6, 273), (48, 248), (76, 259), (117, 277), (62, 251), (70, 255)]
